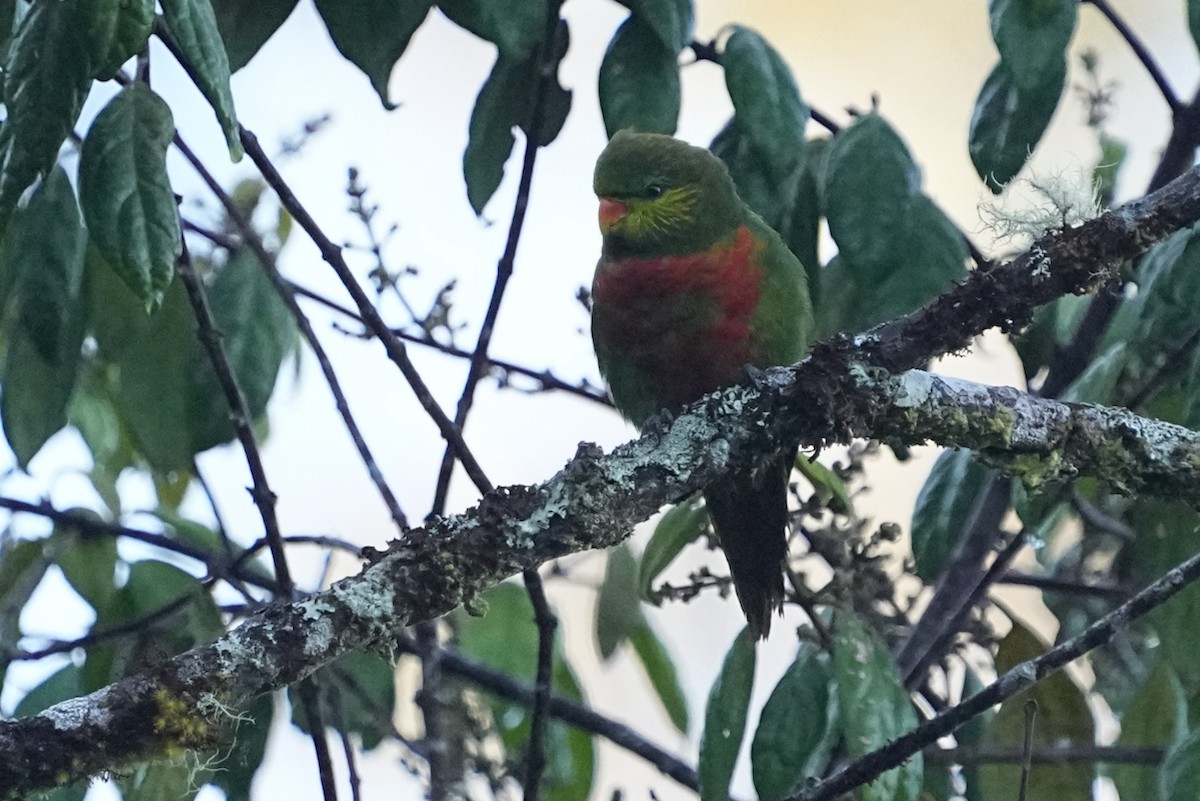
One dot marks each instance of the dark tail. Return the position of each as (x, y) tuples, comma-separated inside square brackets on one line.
[(749, 514)]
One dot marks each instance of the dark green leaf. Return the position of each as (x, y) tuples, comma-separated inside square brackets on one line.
[(47, 77), (1168, 280), (925, 262), (155, 392), (802, 228), (257, 331), (671, 20), (1157, 717), (364, 686), (515, 27), (1179, 776), (768, 194), (1167, 535), (373, 34), (639, 82), (618, 608), (972, 733), (1193, 13), (245, 27), (1032, 36), (193, 24), (874, 706), (88, 562), (725, 718), (22, 566), (125, 193), (115, 31), (944, 507), (506, 638), (766, 100), (249, 745), (1097, 383), (63, 684), (46, 246), (498, 109), (660, 669), (681, 524), (798, 728), (1062, 717), (1009, 121), (870, 185), (47, 250)]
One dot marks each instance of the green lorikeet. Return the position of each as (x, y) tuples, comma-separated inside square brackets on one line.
[(692, 286)]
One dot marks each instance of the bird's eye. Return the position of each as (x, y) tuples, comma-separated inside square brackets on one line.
[(655, 191)]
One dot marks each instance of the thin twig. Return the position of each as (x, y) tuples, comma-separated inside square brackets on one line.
[(1051, 584), (433, 742), (239, 413), (868, 767), (307, 691), (396, 350), (351, 766), (251, 239), (1139, 50), (214, 562)]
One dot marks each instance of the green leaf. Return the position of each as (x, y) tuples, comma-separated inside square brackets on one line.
[(490, 137), (126, 196), (257, 332), (683, 523), (507, 639), (830, 489), (155, 392), (972, 733), (618, 608), (925, 262), (1193, 14), (365, 688), (22, 565), (660, 670), (766, 100), (515, 27), (671, 20), (870, 185), (45, 246), (798, 728), (115, 31), (47, 249), (1098, 382), (801, 227), (1008, 121), (1179, 775), (193, 24), (725, 718), (1157, 717), (373, 34), (61, 685), (246, 754), (246, 27), (768, 194), (1062, 717), (1104, 174), (1032, 36), (47, 77), (944, 507), (639, 81), (1168, 279), (88, 562), (874, 706)]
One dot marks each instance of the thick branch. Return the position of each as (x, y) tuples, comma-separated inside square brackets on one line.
[(842, 391), (592, 503)]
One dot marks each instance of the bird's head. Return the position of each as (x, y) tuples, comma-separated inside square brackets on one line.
[(661, 196)]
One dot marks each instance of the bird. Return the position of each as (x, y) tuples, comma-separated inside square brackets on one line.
[(692, 290)]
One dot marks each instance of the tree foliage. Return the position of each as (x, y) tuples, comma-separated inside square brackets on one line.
[(156, 337)]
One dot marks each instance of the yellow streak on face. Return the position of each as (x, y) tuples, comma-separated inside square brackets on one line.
[(668, 210)]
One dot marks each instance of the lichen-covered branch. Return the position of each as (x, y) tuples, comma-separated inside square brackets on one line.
[(593, 503)]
